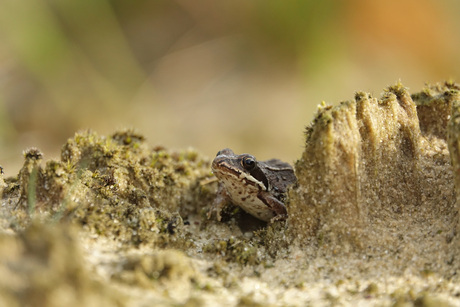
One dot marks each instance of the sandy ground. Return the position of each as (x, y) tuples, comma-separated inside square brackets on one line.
[(372, 220)]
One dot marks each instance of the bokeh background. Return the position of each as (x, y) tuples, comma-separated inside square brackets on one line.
[(207, 73)]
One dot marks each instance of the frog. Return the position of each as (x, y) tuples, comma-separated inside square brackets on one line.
[(258, 187)]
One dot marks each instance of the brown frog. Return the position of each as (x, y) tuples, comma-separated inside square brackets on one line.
[(258, 187)]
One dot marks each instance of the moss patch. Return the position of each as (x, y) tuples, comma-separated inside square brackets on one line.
[(116, 186)]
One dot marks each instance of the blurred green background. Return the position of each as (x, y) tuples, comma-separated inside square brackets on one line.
[(207, 74)]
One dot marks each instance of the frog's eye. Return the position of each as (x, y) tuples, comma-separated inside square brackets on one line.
[(248, 163)]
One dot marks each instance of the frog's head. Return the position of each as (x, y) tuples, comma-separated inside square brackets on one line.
[(238, 169)]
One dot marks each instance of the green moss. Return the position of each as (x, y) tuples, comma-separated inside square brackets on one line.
[(430, 300), (274, 239), (371, 289), (167, 267), (115, 186), (236, 250), (249, 301), (3, 185)]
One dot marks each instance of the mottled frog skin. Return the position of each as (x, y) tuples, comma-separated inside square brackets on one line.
[(258, 187)]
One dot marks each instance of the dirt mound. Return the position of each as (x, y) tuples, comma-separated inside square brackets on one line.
[(376, 178)]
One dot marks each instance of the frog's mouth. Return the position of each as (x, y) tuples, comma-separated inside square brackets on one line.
[(223, 170)]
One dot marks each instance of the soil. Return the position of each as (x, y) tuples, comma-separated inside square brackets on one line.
[(372, 220)]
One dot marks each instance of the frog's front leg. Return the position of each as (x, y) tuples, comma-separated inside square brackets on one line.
[(219, 203), (278, 208)]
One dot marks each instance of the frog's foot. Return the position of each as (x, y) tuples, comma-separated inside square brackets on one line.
[(216, 209), (219, 203), (281, 217)]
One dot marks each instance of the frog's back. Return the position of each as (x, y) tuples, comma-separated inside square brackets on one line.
[(277, 163), (285, 175)]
